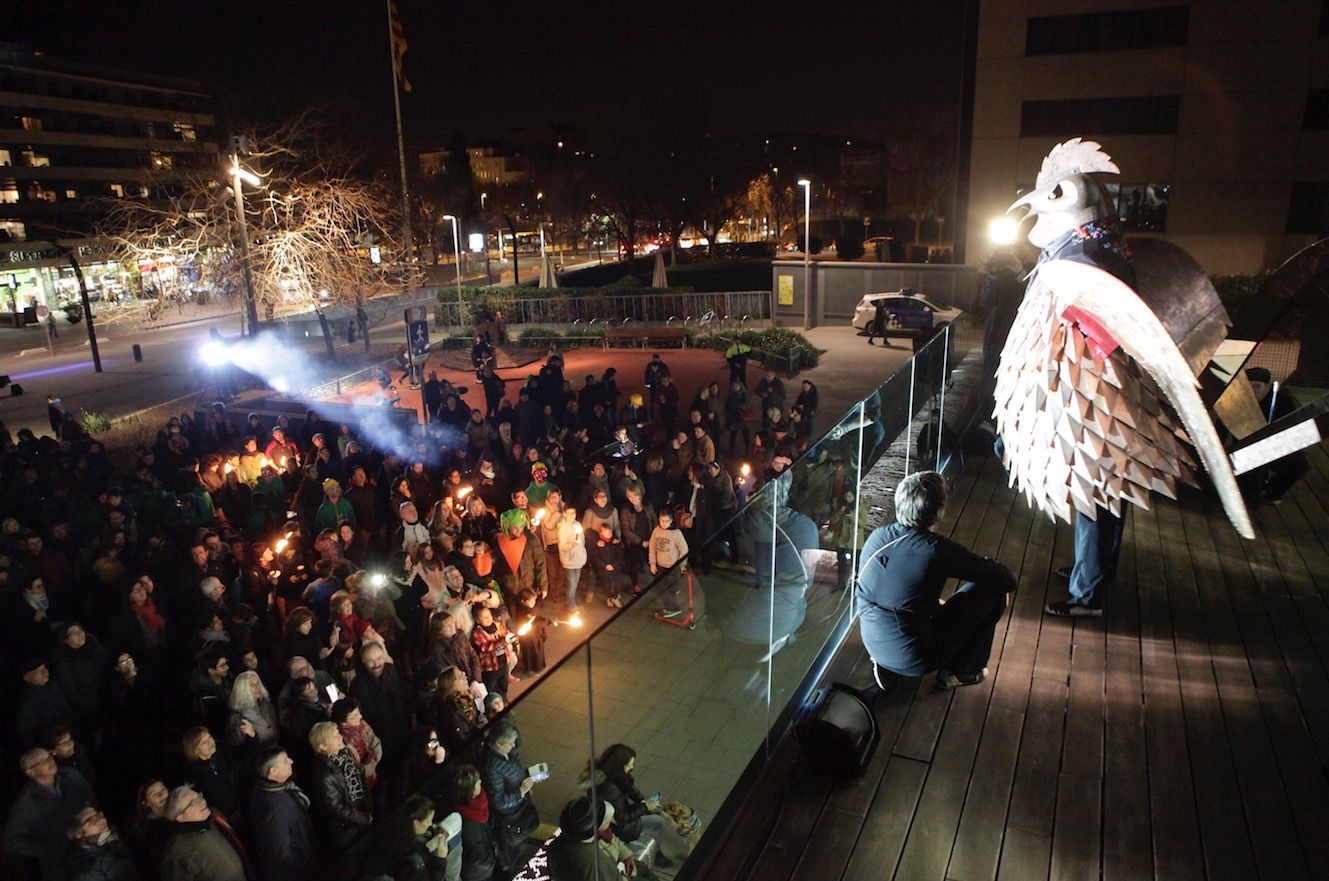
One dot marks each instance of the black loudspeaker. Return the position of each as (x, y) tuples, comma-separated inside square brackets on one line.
[(16, 390), (837, 731)]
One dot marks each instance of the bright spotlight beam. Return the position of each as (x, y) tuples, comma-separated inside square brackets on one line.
[(213, 354)]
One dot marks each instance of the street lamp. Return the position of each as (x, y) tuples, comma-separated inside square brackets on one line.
[(456, 253), (807, 252), (239, 176)]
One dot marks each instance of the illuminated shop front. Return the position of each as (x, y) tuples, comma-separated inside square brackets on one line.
[(38, 273)]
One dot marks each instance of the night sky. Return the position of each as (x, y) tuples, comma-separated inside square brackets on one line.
[(486, 68)]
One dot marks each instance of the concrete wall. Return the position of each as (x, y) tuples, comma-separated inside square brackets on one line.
[(1242, 80), (837, 287)]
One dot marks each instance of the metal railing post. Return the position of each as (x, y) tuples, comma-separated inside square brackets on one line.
[(909, 430), (941, 419)]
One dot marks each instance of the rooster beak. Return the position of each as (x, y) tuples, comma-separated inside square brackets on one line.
[(1023, 201)]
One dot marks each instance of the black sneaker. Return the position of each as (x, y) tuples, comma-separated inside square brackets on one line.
[(946, 680), (1064, 572), (887, 681), (1072, 610)]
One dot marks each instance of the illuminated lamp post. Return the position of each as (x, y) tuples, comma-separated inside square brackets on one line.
[(806, 184)]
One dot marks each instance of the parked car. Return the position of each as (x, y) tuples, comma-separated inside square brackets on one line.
[(910, 313)]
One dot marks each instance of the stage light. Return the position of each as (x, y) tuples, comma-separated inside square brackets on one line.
[(213, 354), (1004, 231)]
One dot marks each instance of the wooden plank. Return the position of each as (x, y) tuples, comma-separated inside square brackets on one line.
[(1025, 856), (1176, 845), (829, 846), (801, 804), (1034, 792), (1053, 655), (978, 841), (888, 822), (1126, 832), (1075, 841), (1223, 833), (1082, 752), (928, 848), (1271, 746)]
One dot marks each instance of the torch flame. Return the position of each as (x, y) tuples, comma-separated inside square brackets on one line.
[(525, 628)]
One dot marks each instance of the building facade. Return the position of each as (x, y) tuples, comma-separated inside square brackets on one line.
[(75, 139), (1217, 113)]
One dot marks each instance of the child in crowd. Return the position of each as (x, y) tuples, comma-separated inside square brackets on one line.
[(606, 557), (668, 548)]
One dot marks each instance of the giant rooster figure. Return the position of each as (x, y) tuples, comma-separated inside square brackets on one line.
[(1096, 395)]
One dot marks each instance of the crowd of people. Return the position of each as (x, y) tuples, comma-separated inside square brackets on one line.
[(234, 653)]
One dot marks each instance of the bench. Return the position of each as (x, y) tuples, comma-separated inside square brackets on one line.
[(646, 336)]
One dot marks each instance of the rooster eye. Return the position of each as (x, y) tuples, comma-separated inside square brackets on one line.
[(1056, 193)]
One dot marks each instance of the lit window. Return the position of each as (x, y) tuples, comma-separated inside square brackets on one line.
[(118, 190), (162, 160), (30, 123), (8, 192), (16, 231), (40, 194), (71, 194), (186, 131), (5, 158), (33, 159)]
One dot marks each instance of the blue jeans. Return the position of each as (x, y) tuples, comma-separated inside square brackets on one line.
[(571, 577), (1097, 547)]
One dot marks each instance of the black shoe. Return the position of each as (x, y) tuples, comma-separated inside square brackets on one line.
[(1064, 572), (887, 681), (1072, 610), (946, 680)]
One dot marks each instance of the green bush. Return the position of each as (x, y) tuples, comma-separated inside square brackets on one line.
[(777, 348), (849, 246), (95, 423)]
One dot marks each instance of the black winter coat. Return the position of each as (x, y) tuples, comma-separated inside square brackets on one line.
[(339, 816), (282, 841), (620, 790), (502, 779)]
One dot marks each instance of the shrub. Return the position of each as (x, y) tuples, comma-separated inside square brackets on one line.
[(816, 244), (849, 246), (95, 423), (777, 348)]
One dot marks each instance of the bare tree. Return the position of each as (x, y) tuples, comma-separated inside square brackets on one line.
[(311, 226), (922, 178)]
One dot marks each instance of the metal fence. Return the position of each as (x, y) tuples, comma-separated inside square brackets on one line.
[(714, 308)]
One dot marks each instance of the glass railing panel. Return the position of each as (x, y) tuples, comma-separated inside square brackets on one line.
[(817, 502)]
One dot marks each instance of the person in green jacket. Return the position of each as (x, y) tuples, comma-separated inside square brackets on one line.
[(334, 509)]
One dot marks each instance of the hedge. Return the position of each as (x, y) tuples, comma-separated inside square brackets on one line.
[(778, 348)]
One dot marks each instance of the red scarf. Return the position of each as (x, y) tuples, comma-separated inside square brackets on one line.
[(477, 809), (148, 612)]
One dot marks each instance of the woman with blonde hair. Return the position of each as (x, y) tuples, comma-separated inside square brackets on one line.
[(339, 796), (209, 771), (253, 721)]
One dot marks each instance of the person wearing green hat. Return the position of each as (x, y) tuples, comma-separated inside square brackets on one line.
[(520, 562)]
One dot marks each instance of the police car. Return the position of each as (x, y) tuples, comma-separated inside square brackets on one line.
[(909, 313)]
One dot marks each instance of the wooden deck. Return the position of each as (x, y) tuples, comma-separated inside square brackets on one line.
[(1185, 735)]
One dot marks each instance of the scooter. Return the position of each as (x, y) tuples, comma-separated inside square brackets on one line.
[(688, 619)]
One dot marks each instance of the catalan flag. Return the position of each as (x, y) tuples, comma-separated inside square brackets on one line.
[(398, 37)]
